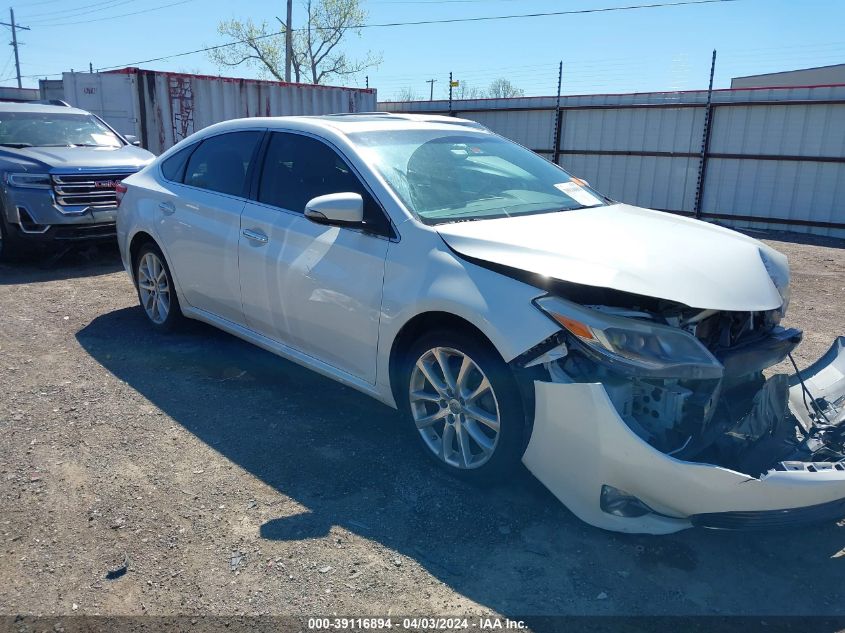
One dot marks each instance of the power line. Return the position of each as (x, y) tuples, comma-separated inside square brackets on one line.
[(654, 5), (59, 13), (32, 4), (122, 15), (444, 21)]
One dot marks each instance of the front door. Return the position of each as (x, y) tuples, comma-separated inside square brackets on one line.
[(315, 288)]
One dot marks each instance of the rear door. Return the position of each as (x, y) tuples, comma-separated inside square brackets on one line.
[(315, 288), (199, 223)]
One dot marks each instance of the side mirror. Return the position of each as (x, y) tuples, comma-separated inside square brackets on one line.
[(133, 140), (336, 209)]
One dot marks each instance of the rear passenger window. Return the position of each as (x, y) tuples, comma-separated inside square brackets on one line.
[(298, 168), (173, 169), (221, 162)]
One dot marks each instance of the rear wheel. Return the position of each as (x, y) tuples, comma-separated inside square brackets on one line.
[(465, 405), (156, 291)]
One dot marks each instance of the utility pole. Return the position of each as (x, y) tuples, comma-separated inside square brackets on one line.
[(289, 41), (430, 82), (15, 28)]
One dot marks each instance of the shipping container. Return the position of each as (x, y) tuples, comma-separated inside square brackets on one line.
[(162, 108)]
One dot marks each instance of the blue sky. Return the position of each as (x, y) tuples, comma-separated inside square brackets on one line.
[(649, 49)]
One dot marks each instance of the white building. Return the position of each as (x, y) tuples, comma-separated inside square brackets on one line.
[(819, 76)]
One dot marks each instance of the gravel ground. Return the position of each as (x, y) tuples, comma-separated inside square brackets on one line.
[(233, 482)]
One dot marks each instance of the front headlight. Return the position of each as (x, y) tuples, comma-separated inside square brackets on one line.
[(631, 346), (31, 181)]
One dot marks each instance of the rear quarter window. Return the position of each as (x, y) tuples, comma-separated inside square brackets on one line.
[(173, 168)]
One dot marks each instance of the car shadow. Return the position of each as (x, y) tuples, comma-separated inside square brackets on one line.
[(514, 548), (81, 261)]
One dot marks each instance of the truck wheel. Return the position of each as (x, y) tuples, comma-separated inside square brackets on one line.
[(11, 248)]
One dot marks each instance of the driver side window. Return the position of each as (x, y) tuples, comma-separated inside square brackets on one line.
[(298, 168)]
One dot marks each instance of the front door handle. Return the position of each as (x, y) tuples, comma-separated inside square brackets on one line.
[(255, 236), (168, 208)]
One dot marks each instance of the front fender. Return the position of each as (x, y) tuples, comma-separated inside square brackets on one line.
[(425, 276)]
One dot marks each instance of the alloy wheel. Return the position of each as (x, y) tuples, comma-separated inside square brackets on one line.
[(454, 408), (154, 288)]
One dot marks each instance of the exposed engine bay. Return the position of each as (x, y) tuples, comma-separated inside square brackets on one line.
[(732, 412)]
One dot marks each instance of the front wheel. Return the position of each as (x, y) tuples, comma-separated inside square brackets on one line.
[(156, 291), (465, 405), (10, 245)]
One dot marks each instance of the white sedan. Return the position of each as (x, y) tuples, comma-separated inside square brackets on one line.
[(509, 309)]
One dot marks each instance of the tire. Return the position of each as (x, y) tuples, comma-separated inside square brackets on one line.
[(493, 455), (159, 301), (11, 248)]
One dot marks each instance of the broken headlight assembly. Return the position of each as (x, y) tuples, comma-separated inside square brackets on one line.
[(631, 346)]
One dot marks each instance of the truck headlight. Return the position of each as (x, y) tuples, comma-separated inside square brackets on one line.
[(28, 180), (632, 346)]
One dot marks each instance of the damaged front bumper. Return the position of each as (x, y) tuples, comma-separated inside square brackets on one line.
[(590, 459)]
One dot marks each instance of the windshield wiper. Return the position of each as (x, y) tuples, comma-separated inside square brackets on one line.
[(16, 145)]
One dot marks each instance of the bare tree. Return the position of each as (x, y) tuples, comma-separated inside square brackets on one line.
[(406, 94), (502, 89), (317, 56), (464, 91)]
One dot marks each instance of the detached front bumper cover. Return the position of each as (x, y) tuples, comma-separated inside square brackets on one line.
[(580, 445)]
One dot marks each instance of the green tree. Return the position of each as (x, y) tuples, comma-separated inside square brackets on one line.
[(317, 53)]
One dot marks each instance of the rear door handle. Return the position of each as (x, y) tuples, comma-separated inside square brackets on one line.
[(167, 208), (255, 236)]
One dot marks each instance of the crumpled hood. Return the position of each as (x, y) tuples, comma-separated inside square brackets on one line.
[(67, 158), (633, 250)]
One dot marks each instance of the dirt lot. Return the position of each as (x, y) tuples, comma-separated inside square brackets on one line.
[(237, 483)]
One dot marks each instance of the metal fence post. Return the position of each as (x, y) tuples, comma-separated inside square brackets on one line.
[(705, 141), (558, 114)]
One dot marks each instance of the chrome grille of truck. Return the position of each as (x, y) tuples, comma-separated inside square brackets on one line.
[(79, 192)]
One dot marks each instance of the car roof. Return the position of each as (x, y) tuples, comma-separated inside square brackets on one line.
[(343, 124), (393, 119), (10, 106), (370, 121)]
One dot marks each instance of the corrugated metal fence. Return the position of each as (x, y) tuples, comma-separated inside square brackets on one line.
[(774, 159)]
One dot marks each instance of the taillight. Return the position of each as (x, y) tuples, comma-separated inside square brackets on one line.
[(119, 190)]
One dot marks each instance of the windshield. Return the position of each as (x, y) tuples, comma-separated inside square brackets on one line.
[(48, 129), (447, 177)]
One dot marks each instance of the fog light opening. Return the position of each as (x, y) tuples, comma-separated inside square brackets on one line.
[(622, 504), (28, 225)]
